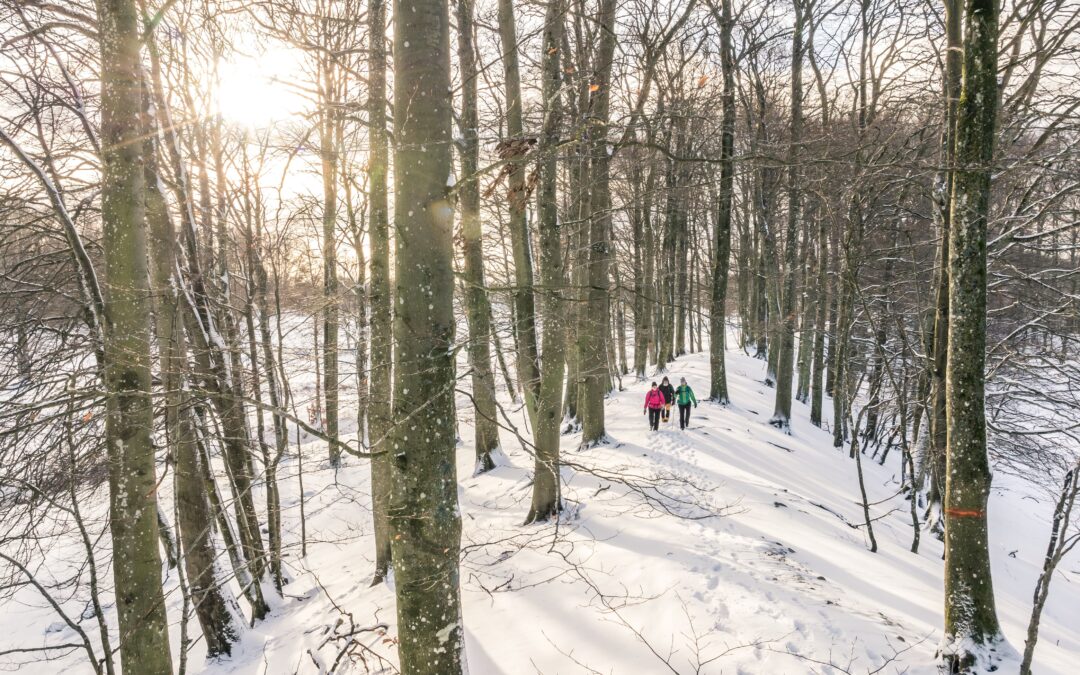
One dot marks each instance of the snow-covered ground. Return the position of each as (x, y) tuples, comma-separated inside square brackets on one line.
[(728, 548)]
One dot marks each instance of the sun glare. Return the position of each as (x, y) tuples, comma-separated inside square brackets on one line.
[(257, 90)]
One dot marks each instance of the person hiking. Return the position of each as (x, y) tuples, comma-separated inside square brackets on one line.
[(654, 404), (684, 396), (669, 398)]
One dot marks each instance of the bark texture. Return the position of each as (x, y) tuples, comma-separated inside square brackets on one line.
[(593, 354), (424, 517), (380, 297), (144, 637), (718, 390), (935, 448), (786, 329), (524, 299), (329, 143), (972, 632), (546, 501), (476, 300)]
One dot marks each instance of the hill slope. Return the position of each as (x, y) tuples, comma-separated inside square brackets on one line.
[(728, 548), (640, 578)]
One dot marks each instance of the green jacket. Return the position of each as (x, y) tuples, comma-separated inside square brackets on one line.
[(685, 395)]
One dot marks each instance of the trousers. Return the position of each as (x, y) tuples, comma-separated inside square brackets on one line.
[(684, 415), (654, 418)]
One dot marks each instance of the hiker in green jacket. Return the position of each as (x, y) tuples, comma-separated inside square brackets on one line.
[(684, 396)]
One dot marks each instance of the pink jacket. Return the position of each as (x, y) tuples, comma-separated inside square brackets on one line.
[(654, 399)]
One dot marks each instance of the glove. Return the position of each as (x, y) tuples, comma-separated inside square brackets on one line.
[(645, 411), (695, 405)]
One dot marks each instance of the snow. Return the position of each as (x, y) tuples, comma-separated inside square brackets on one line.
[(729, 548), (444, 634)]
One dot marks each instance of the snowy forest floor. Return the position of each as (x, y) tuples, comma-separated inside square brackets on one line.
[(728, 548)]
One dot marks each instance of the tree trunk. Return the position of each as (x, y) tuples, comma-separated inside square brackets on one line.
[(649, 290), (593, 355), (759, 297), (649, 299), (935, 446), (718, 390), (424, 515), (846, 286), (380, 397), (328, 151), (674, 224), (524, 300), (641, 253), (807, 315), (874, 387), (281, 432), (786, 330), (258, 317), (144, 636), (479, 314), (745, 277), (357, 230), (546, 500), (834, 312), (766, 181), (620, 326), (682, 236), (823, 299), (972, 633), (848, 279)]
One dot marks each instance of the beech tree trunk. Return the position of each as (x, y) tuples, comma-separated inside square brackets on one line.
[(580, 208), (144, 635), (718, 390), (380, 395), (936, 441), (823, 299), (328, 149), (524, 300), (972, 632), (642, 308), (593, 365), (424, 516), (546, 499), (476, 301), (786, 329)]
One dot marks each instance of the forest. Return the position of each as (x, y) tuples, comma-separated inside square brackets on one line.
[(325, 325)]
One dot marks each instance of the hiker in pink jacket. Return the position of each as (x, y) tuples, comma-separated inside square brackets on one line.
[(654, 405)]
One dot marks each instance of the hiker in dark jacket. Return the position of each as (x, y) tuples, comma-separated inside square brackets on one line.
[(669, 398), (684, 396), (654, 404)]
